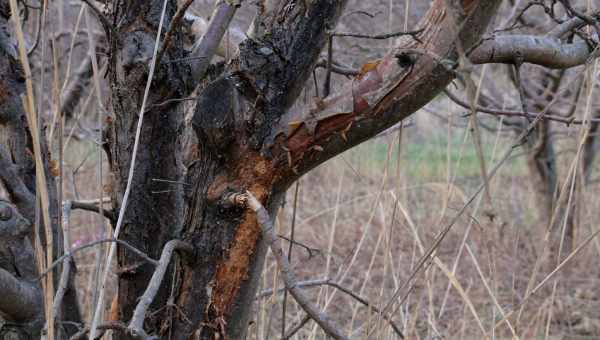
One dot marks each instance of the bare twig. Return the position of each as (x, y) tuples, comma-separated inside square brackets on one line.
[(336, 285), (117, 326), (175, 21), (509, 113), (103, 19), (108, 213), (296, 327), (66, 270), (136, 326), (339, 69), (413, 34), (136, 251), (288, 276)]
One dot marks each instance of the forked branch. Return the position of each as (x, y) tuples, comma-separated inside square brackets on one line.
[(136, 325)]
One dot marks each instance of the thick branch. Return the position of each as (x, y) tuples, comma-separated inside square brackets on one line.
[(108, 213), (228, 46), (384, 93), (137, 321), (18, 191), (206, 48), (19, 300), (545, 51), (287, 275)]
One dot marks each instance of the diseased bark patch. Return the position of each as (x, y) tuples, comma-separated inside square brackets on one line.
[(255, 174)]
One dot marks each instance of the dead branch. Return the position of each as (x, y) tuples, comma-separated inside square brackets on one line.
[(63, 284), (287, 275), (117, 326), (136, 325), (108, 213), (413, 34), (69, 254), (386, 91), (175, 21), (336, 285), (510, 113)]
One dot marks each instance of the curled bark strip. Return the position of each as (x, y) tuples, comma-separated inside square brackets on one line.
[(288, 276)]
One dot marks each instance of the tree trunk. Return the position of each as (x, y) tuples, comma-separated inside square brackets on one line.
[(17, 165), (246, 141)]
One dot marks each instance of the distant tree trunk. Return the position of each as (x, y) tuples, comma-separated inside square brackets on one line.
[(542, 164)]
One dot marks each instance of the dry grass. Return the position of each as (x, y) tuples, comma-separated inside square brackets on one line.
[(361, 209)]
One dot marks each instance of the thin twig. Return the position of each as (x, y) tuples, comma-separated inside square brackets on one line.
[(136, 251), (175, 21), (66, 270), (118, 326), (509, 113), (413, 34), (290, 248), (103, 19), (288, 276), (296, 327), (336, 285)]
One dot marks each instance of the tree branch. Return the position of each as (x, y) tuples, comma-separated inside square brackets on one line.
[(17, 190), (287, 275), (19, 300), (69, 254), (545, 51), (509, 113), (228, 46), (108, 213), (205, 48), (136, 326), (336, 285), (384, 93)]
